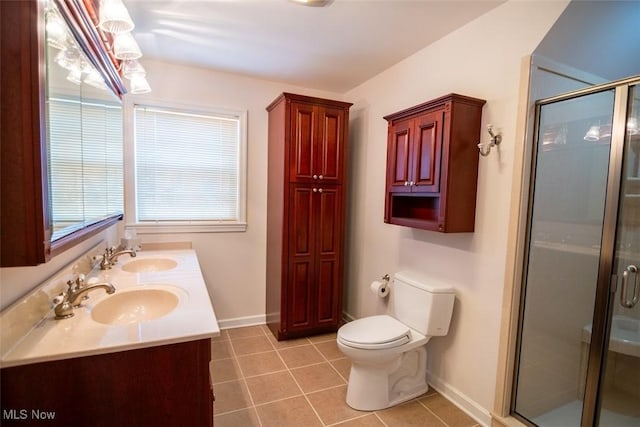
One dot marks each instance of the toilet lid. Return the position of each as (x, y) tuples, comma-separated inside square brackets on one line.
[(374, 332)]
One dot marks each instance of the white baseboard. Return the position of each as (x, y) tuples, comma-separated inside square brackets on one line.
[(347, 317), (242, 321), (475, 411)]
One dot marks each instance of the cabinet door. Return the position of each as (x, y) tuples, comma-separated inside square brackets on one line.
[(301, 258), (303, 136), (328, 205), (426, 153), (329, 165), (315, 256), (399, 157)]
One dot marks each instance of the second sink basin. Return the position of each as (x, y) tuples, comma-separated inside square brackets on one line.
[(134, 306), (149, 265)]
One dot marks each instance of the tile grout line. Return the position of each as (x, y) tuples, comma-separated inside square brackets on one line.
[(244, 381), (290, 370), (346, 380), (348, 419), (380, 418), (433, 413), (299, 387)]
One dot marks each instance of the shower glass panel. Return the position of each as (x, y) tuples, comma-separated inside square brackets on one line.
[(620, 389), (567, 207)]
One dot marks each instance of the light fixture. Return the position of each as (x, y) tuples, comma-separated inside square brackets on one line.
[(56, 30), (125, 47), (593, 134), (95, 79), (75, 75), (139, 85), (114, 17), (131, 68), (67, 58)]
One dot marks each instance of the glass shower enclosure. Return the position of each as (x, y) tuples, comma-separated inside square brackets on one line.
[(578, 357)]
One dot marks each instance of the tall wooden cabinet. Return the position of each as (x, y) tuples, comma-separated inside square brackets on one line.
[(305, 218), (432, 164)]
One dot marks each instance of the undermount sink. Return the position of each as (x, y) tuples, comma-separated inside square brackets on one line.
[(134, 306), (149, 265)]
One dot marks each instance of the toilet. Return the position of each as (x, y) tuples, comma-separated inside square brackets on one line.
[(388, 352)]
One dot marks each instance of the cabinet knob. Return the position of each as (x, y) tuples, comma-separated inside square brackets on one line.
[(315, 176), (315, 190), (406, 183), (411, 183), (320, 177), (320, 190)]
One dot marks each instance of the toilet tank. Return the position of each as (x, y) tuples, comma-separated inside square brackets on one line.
[(422, 304)]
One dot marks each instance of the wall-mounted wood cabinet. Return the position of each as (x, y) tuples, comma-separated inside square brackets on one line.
[(432, 164), (305, 217)]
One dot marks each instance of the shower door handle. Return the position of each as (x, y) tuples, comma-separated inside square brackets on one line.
[(630, 303)]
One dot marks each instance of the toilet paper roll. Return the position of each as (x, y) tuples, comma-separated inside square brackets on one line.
[(379, 288)]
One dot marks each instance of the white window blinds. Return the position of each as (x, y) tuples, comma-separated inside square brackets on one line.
[(188, 166), (85, 161)]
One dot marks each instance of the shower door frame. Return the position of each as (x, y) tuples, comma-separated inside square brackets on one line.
[(607, 282)]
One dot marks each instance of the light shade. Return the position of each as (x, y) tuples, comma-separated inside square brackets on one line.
[(95, 79), (67, 58), (132, 68), (125, 47), (75, 75), (139, 85), (114, 17), (56, 30), (593, 134)]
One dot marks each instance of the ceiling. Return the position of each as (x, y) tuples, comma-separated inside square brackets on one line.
[(333, 48)]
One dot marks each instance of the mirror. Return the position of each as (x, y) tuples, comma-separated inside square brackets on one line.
[(84, 136)]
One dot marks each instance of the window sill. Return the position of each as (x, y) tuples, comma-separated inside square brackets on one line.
[(173, 228)]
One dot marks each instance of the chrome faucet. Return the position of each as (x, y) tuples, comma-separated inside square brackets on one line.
[(110, 257), (75, 294)]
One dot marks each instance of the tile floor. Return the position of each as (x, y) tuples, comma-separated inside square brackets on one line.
[(261, 382)]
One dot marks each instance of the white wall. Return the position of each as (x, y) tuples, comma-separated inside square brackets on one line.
[(481, 60), (233, 264)]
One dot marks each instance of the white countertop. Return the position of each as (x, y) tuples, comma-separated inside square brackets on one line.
[(49, 339)]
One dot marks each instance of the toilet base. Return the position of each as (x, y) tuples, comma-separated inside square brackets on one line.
[(373, 387)]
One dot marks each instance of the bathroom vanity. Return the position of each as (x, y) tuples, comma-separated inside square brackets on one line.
[(137, 357), (166, 385)]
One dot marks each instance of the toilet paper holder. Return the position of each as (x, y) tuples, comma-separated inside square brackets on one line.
[(385, 279)]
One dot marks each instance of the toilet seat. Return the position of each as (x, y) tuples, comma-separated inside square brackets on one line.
[(375, 333)]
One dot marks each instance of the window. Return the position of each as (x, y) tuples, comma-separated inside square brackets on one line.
[(190, 172)]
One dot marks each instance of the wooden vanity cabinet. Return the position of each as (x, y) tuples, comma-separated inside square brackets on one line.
[(432, 164), (305, 216), (167, 385)]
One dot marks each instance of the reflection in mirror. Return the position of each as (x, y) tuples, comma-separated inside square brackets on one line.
[(633, 134), (84, 136)]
